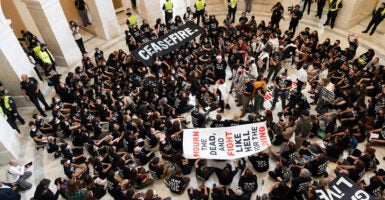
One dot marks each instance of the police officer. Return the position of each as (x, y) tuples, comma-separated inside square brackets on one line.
[(200, 6), (31, 92), (7, 116), (131, 19), (9, 104), (232, 6), (46, 56), (377, 16), (334, 6), (168, 9)]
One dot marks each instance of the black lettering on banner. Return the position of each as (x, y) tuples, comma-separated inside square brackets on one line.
[(255, 138), (221, 144), (212, 145), (343, 188), (204, 144), (246, 142), (167, 43), (238, 142)]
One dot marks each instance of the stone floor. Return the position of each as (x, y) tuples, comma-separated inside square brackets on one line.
[(45, 167)]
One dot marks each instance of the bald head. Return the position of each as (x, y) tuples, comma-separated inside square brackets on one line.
[(24, 77), (13, 163)]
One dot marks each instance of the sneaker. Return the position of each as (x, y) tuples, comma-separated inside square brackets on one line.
[(48, 108), (43, 114)]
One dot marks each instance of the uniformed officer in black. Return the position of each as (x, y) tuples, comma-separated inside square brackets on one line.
[(377, 16), (9, 104), (31, 92)]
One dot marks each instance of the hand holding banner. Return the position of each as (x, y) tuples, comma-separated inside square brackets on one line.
[(226, 143)]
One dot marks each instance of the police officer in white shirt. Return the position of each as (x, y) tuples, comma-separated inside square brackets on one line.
[(17, 174)]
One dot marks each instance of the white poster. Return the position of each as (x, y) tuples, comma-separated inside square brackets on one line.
[(225, 143)]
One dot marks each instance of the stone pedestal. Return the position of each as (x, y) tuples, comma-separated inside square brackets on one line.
[(9, 143), (104, 19), (150, 10), (13, 60), (54, 28), (352, 12)]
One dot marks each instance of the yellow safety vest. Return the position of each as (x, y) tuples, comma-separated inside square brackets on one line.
[(200, 5), (132, 20), (6, 103), (233, 3), (3, 114), (383, 11), (45, 56), (331, 8), (168, 6)]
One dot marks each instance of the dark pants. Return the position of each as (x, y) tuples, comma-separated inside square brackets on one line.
[(231, 13), (273, 71), (293, 25), (37, 72), (12, 122), (168, 16), (81, 45), (299, 85), (307, 2), (282, 94), (320, 8), (35, 98), (199, 15), (332, 15), (374, 23)]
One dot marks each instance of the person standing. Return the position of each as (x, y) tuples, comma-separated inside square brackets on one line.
[(276, 15), (131, 20), (77, 36), (7, 116), (244, 94), (168, 10), (334, 6), (18, 174), (232, 6), (308, 3), (248, 5), (302, 77), (282, 87), (296, 15), (200, 7), (81, 6), (377, 16), (31, 91), (320, 7), (8, 104), (46, 56)]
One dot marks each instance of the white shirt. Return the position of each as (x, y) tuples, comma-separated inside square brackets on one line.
[(14, 173), (302, 75), (76, 31)]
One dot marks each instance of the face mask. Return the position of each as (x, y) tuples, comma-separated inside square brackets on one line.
[(163, 142), (34, 129)]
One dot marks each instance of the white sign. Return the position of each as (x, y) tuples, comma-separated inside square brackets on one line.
[(226, 143)]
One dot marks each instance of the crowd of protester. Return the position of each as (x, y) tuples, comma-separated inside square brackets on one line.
[(117, 126)]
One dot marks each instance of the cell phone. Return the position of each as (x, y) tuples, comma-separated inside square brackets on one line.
[(28, 164)]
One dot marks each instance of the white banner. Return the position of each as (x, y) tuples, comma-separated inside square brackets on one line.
[(225, 143)]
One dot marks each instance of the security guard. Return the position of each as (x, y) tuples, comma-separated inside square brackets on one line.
[(334, 6), (9, 104), (7, 116), (31, 92), (377, 16), (232, 5), (200, 7), (46, 56), (131, 19), (168, 9)]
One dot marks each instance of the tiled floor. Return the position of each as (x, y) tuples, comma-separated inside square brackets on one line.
[(45, 166)]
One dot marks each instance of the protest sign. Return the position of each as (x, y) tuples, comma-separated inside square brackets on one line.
[(343, 188), (167, 43), (226, 143)]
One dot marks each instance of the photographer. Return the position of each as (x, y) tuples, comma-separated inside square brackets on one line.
[(295, 15), (77, 36)]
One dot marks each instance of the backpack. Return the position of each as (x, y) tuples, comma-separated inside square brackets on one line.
[(353, 142)]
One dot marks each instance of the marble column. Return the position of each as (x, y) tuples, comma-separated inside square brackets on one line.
[(52, 23), (352, 12), (104, 19), (13, 61), (150, 10)]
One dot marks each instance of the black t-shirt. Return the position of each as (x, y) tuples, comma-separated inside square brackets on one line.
[(158, 170), (317, 168), (30, 86), (176, 184), (282, 83), (198, 119), (375, 189), (300, 185), (355, 174), (260, 162), (248, 183)]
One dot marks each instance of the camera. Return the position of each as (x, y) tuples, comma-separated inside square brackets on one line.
[(290, 8)]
